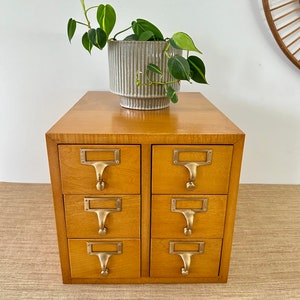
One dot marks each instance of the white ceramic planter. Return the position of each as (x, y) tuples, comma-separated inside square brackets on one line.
[(129, 58)]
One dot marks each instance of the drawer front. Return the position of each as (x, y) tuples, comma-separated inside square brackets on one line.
[(100, 169), (188, 216), (119, 259), (102, 217), (176, 258), (191, 169)]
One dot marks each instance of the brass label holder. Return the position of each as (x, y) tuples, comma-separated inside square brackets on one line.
[(189, 213), (100, 165), (102, 213), (186, 256), (104, 256), (192, 165)]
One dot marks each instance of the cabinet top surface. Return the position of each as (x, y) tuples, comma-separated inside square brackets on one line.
[(98, 115)]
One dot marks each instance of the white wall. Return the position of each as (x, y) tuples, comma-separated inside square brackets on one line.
[(251, 80)]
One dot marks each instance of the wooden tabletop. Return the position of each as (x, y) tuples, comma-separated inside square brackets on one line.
[(98, 118)]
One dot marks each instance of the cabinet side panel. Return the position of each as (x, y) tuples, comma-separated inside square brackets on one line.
[(58, 208), (231, 207)]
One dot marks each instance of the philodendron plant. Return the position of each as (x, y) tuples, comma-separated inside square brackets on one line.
[(188, 67)]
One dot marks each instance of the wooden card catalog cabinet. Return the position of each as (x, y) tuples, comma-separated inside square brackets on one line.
[(144, 196)]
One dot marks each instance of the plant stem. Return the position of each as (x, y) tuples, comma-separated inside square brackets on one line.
[(81, 23), (167, 49), (162, 83), (91, 8), (150, 82), (85, 14), (121, 32)]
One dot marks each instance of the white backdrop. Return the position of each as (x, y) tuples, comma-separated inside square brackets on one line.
[(41, 76)]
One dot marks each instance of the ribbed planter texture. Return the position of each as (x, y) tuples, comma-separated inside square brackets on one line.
[(127, 61)]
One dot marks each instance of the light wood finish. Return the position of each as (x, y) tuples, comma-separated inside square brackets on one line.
[(146, 140), (206, 224), (193, 120), (168, 177), (145, 209), (84, 224), (78, 178), (54, 167), (169, 265), (124, 265), (265, 256)]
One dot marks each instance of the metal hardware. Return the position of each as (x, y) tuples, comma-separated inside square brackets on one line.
[(104, 256), (192, 165), (100, 165), (102, 213), (186, 256), (189, 213)]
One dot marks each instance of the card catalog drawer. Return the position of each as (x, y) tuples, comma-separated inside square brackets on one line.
[(194, 258), (188, 216), (100, 169), (104, 259), (102, 217), (193, 169)]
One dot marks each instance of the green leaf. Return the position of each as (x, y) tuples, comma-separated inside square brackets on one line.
[(146, 36), (106, 17), (140, 25), (86, 42), (179, 68), (92, 36), (154, 68), (101, 37), (197, 69), (184, 42), (171, 94), (137, 82), (173, 44), (97, 37), (71, 28), (131, 37)]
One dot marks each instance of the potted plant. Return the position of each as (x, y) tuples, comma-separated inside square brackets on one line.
[(144, 65)]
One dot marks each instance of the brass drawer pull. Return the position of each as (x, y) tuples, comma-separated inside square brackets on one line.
[(102, 213), (104, 256), (186, 255), (192, 165), (189, 213), (100, 165)]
